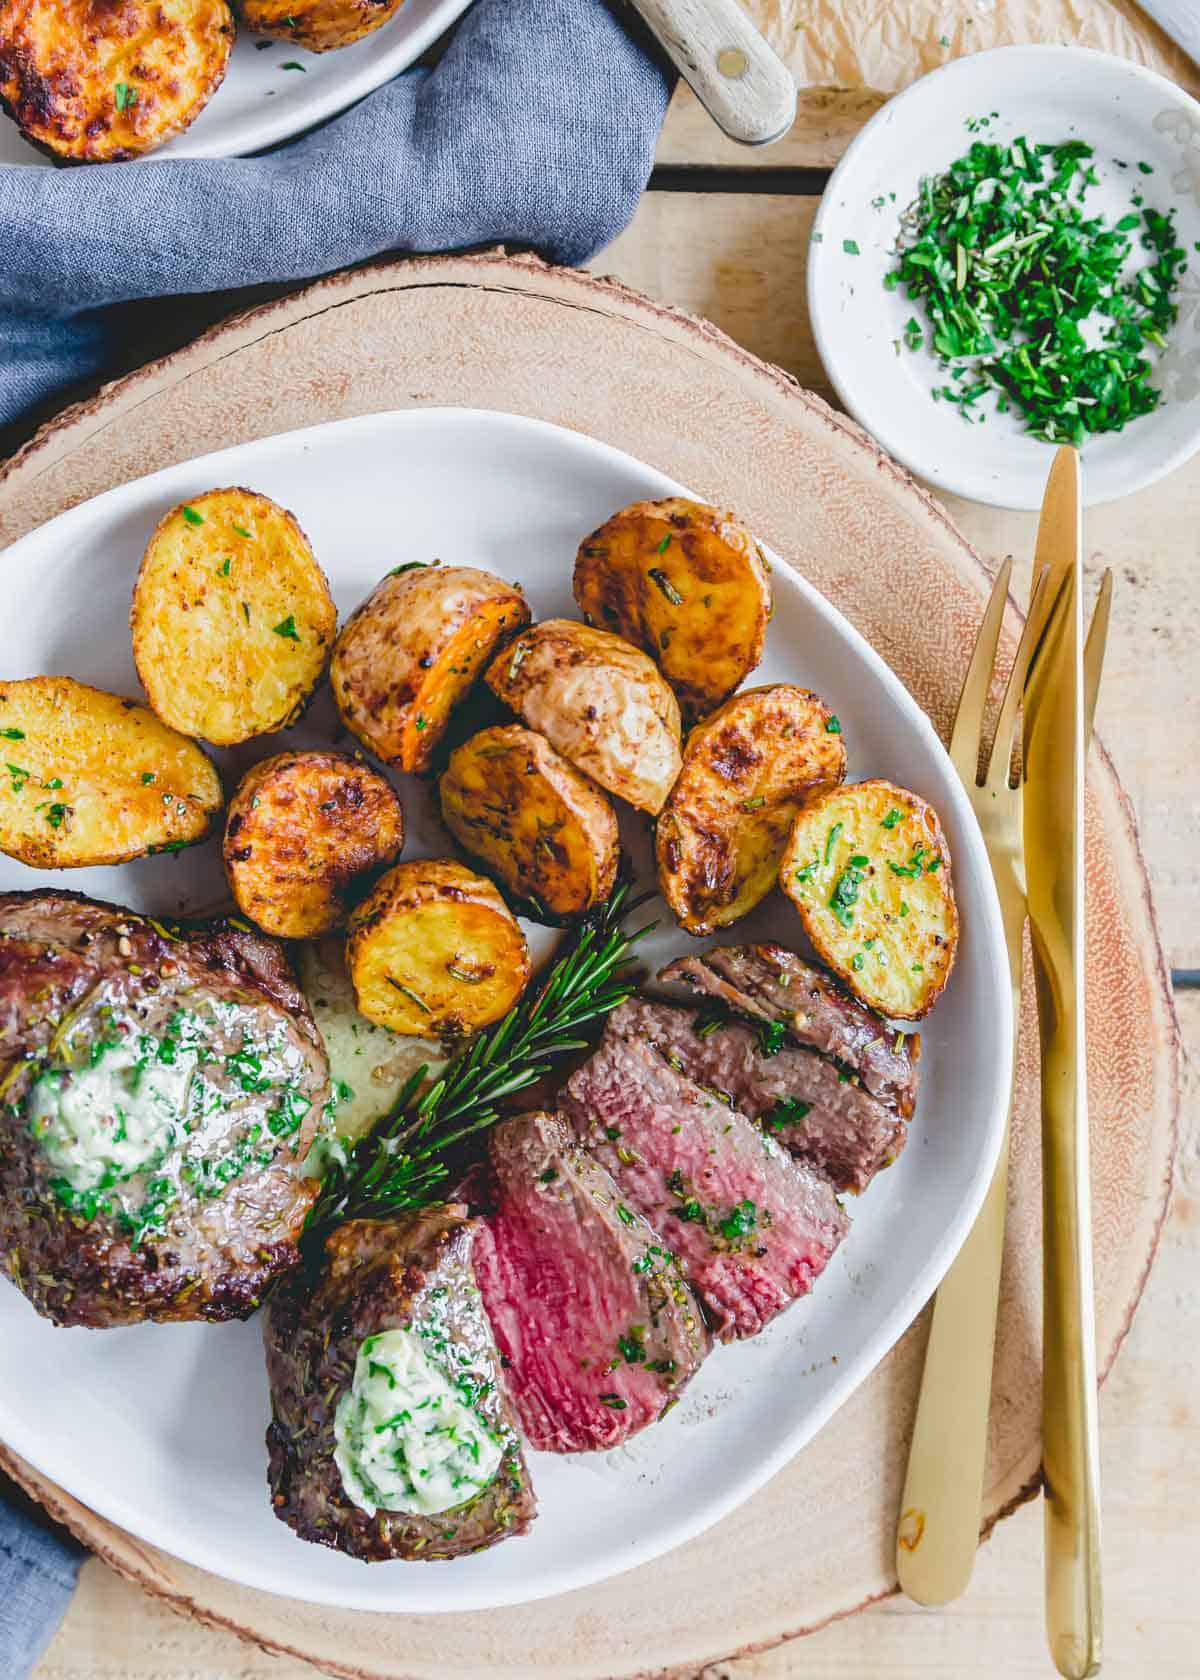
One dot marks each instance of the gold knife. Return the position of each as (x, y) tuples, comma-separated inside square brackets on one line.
[(1055, 721)]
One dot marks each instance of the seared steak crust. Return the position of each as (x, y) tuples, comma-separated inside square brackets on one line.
[(598, 1329), (770, 983), (213, 1215), (819, 1114), (752, 1227), (382, 1275)]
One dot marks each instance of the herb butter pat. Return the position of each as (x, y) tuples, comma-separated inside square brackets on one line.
[(406, 1440), (107, 1120)]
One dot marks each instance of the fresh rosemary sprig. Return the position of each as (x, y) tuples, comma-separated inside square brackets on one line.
[(401, 1163)]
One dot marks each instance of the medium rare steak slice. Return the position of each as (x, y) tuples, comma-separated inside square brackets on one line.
[(598, 1329), (774, 984), (818, 1114), (752, 1227), (391, 1437)]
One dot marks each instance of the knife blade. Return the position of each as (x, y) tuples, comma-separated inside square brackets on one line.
[(1181, 21), (1055, 720)]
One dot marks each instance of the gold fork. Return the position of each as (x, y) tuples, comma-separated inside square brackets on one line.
[(938, 1532)]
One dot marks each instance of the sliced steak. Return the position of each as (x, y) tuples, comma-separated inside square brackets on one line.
[(598, 1328), (321, 1330), (770, 983), (821, 1115), (159, 1090), (752, 1227)]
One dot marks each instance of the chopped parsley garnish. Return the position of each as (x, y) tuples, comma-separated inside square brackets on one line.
[(831, 841), (19, 776), (12, 734), (623, 1214), (631, 1346), (772, 1035), (223, 568), (408, 566), (419, 723), (912, 869), (850, 246), (665, 585), (807, 873), (292, 65), (191, 516), (613, 1402), (833, 726), (241, 530), (124, 96), (662, 547), (56, 815), (287, 629), (148, 776), (893, 817), (788, 1111), (1032, 299), (741, 1220)]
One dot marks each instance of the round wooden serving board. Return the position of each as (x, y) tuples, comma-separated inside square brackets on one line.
[(506, 333)]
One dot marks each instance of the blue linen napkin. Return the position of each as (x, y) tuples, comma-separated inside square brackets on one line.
[(38, 1566), (537, 127)]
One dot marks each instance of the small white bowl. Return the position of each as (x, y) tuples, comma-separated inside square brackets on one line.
[(1047, 94)]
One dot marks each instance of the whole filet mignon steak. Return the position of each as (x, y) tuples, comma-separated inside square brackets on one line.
[(159, 1089), (391, 1437), (598, 1329)]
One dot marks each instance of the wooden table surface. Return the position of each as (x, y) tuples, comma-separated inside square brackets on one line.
[(730, 244)]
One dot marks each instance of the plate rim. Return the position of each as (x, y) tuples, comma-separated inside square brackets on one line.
[(853, 1369)]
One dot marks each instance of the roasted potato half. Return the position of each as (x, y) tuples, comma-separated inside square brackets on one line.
[(532, 820), (747, 769), (90, 778), (688, 584), (317, 25), (95, 81), (413, 649), (868, 869), (435, 952), (232, 618), (302, 828), (600, 701)]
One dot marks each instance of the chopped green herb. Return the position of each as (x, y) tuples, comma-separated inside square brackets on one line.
[(56, 815), (223, 568), (807, 873), (241, 530), (148, 776), (831, 841), (292, 65), (741, 1220), (613, 1402), (857, 961), (788, 1111), (755, 804), (623, 1214), (772, 1035), (12, 734), (191, 516), (833, 726), (124, 96), (662, 547), (912, 869), (666, 586), (850, 246), (287, 628), (246, 610), (893, 817), (420, 723)]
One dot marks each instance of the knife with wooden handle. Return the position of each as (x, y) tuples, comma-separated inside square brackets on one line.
[(743, 84), (1055, 721)]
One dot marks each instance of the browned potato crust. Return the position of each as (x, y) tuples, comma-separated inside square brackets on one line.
[(687, 583), (435, 952), (532, 820), (746, 770), (90, 778), (868, 868), (302, 828), (411, 651), (600, 701), (95, 81), (232, 618), (317, 25)]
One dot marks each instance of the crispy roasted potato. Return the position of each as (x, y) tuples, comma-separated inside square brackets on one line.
[(317, 25), (688, 584), (303, 827), (868, 869), (94, 81), (746, 771), (232, 617), (90, 778), (435, 952), (600, 701), (413, 649), (368, 1065), (532, 820)]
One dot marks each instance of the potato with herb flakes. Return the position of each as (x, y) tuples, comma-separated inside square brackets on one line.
[(303, 828), (413, 649), (95, 81), (600, 701), (232, 618), (435, 952), (868, 868), (532, 820), (747, 769), (91, 778), (687, 583), (317, 25)]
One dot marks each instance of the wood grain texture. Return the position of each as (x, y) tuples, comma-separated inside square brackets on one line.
[(512, 335)]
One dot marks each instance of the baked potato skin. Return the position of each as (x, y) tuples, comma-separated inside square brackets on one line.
[(96, 81), (435, 952), (317, 25), (868, 868), (746, 771), (90, 778), (600, 701), (413, 649), (686, 583), (232, 618), (302, 828), (532, 820)]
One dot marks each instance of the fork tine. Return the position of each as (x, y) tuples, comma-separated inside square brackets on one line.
[(972, 702), (1000, 758), (1093, 652)]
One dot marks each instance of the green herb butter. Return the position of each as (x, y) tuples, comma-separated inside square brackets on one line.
[(110, 1118)]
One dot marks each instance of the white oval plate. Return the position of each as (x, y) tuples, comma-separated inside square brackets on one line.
[(1046, 94), (160, 1428), (259, 103)]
